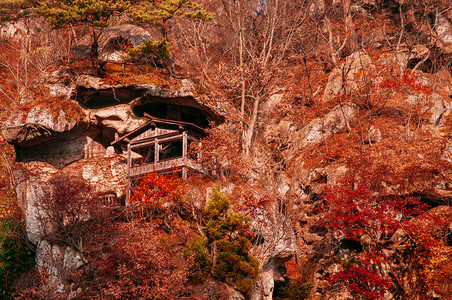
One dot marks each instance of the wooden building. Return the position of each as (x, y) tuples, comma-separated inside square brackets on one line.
[(159, 145)]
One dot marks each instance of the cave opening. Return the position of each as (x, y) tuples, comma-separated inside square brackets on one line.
[(173, 112)]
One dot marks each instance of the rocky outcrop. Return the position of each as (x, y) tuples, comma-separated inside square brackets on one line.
[(349, 77), (58, 261), (278, 245), (33, 182), (93, 93), (38, 124), (61, 133), (72, 138), (443, 30)]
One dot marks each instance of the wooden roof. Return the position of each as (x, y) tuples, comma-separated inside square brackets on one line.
[(154, 122)]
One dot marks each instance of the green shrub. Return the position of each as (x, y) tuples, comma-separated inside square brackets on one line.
[(150, 52), (292, 289), (226, 238), (16, 256), (197, 249)]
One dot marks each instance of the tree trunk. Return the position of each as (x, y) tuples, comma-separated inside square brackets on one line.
[(250, 130), (95, 54), (171, 66), (214, 256)]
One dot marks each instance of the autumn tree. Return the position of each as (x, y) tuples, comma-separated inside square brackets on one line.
[(140, 263), (159, 13), (160, 196), (365, 221), (262, 33), (92, 14), (69, 209)]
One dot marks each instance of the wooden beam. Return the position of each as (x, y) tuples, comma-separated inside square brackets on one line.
[(131, 133), (172, 122)]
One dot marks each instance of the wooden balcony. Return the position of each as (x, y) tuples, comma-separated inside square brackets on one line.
[(159, 146)]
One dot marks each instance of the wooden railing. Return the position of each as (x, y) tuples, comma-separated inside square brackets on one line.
[(165, 166)]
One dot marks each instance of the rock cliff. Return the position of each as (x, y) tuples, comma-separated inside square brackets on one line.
[(349, 175)]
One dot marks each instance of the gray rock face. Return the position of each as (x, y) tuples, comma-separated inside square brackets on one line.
[(37, 125), (278, 246), (352, 72), (58, 261), (114, 39), (31, 186), (106, 175), (443, 30)]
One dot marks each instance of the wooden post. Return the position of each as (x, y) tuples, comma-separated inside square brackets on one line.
[(129, 164), (156, 152), (184, 145), (184, 154)]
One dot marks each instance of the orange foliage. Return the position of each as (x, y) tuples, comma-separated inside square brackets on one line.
[(138, 262), (406, 82), (161, 196), (159, 191), (293, 273)]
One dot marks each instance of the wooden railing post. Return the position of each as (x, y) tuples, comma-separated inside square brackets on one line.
[(156, 153), (184, 144), (184, 154), (129, 165)]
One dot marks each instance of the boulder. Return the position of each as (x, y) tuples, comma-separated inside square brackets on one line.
[(321, 128), (373, 135), (350, 76), (119, 119), (60, 83), (116, 39)]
